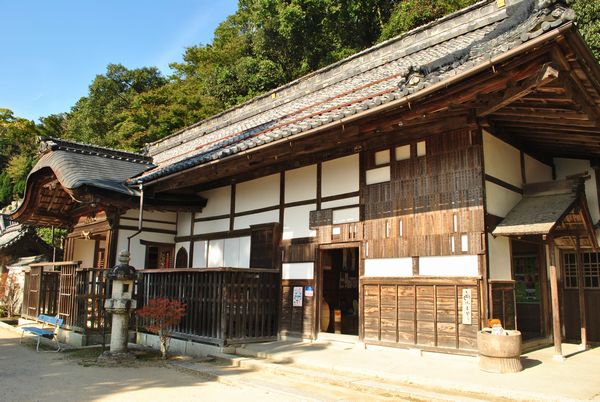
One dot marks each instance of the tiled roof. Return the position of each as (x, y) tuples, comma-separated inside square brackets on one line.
[(76, 165), (13, 234), (389, 71)]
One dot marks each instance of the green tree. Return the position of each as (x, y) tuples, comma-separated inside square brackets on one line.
[(588, 23), (94, 117)]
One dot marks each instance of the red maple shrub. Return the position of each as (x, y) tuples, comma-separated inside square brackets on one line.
[(10, 294), (160, 315)]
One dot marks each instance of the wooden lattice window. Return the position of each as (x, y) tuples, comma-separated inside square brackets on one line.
[(591, 270)]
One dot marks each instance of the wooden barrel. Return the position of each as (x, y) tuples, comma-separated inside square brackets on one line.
[(499, 353)]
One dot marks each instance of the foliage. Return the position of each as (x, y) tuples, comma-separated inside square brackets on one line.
[(45, 234), (410, 14), (9, 293), (588, 23), (160, 315)]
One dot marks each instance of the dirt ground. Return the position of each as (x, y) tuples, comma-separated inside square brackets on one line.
[(26, 375)]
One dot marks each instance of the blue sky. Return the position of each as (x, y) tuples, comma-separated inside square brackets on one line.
[(52, 50)]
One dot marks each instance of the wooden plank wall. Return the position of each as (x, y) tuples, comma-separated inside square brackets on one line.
[(297, 321), (424, 194), (418, 312)]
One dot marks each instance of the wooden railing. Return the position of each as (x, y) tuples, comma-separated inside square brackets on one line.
[(223, 306)]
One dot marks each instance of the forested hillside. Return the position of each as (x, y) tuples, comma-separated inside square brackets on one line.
[(266, 43)]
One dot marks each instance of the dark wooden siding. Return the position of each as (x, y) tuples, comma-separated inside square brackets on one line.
[(420, 312)]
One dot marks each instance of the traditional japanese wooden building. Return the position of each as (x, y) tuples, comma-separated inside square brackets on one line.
[(401, 196)]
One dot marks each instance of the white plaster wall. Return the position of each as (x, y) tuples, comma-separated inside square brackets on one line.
[(499, 257), (301, 184), (340, 176), (568, 167), (388, 267), (219, 225), (450, 265), (297, 270), (216, 250), (218, 202), (402, 152), (536, 171), (237, 252), (499, 200), (340, 203), (138, 251), (296, 222), (244, 222), (199, 260), (258, 193), (501, 160), (155, 215), (346, 215), (83, 250), (378, 175), (184, 222)]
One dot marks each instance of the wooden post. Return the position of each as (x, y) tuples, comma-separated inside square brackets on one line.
[(581, 294), (556, 329)]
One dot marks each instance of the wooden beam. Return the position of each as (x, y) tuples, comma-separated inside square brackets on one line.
[(556, 328), (581, 294), (546, 74)]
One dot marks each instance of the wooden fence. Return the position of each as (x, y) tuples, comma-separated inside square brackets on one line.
[(223, 306), (74, 294), (40, 293)]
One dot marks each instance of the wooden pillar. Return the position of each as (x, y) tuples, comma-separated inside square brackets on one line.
[(556, 329), (581, 294)]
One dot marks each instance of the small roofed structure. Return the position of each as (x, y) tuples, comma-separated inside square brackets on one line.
[(72, 180), (555, 208), (17, 241)]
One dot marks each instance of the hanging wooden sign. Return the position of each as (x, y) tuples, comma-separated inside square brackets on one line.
[(466, 306)]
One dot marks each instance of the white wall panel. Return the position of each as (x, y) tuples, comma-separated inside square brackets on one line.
[(244, 222), (499, 257), (340, 203), (245, 252), (231, 252), (500, 200), (298, 270), (346, 215), (388, 267), (216, 253), (184, 223), (83, 250), (340, 176), (296, 222), (501, 160), (450, 265), (154, 215), (200, 254), (301, 184), (219, 225), (568, 167), (218, 202), (378, 175), (536, 171), (258, 193)]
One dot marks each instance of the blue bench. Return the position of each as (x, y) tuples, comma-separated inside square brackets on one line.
[(49, 333)]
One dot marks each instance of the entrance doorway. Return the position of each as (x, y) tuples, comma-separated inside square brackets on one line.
[(339, 297), (526, 260)]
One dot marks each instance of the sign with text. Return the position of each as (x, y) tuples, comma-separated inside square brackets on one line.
[(466, 306), (309, 291), (297, 296)]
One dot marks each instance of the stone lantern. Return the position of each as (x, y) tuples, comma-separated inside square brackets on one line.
[(120, 305)]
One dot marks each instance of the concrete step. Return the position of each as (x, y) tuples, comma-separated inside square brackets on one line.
[(289, 378)]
